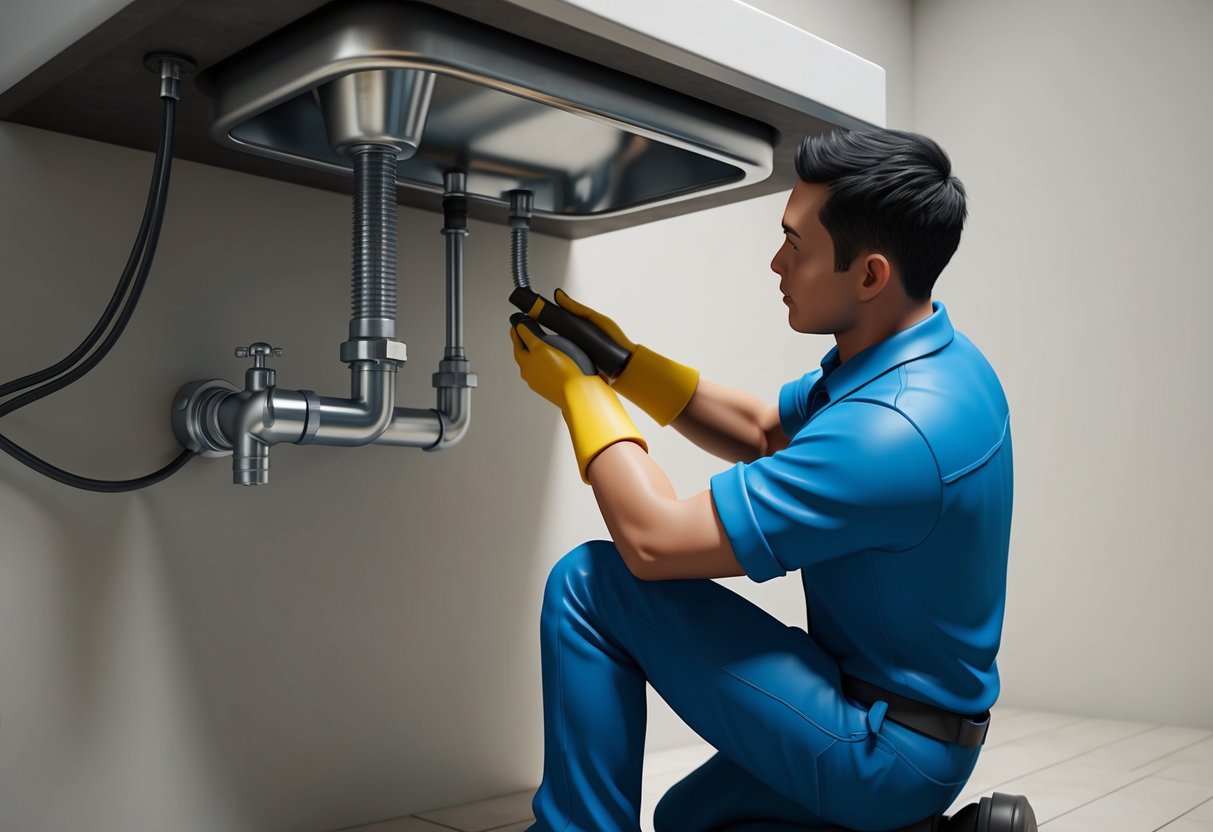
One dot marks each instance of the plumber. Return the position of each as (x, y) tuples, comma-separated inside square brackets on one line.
[(884, 477)]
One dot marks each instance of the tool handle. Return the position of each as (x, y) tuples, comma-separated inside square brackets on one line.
[(566, 346), (607, 354)]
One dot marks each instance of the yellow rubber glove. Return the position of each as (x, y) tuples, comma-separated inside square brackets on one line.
[(594, 415), (659, 386)]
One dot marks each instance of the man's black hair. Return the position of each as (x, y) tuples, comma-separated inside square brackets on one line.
[(891, 193)]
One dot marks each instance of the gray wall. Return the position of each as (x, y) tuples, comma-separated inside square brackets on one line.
[(1081, 131), (356, 640)]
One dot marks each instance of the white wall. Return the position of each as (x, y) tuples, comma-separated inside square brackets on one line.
[(1081, 130)]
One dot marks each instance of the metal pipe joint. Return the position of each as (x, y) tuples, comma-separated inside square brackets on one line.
[(214, 418)]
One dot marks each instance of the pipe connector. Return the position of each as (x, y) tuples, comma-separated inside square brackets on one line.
[(456, 373), (362, 418), (454, 203), (454, 414), (522, 205), (171, 69), (196, 421), (374, 349)]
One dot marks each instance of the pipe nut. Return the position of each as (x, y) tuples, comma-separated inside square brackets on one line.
[(442, 379), (455, 372), (373, 349)]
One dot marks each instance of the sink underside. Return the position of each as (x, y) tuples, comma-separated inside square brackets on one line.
[(588, 141), (642, 123)]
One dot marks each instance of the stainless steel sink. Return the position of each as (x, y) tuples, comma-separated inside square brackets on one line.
[(588, 141), (615, 113)]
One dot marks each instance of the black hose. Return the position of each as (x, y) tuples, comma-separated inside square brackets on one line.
[(160, 181), (124, 284), (518, 257), (144, 252), (86, 483)]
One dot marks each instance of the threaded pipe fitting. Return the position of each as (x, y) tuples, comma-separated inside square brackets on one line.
[(373, 286), (518, 248), (522, 203)]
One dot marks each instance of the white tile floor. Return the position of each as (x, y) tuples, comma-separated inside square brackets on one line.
[(1081, 774)]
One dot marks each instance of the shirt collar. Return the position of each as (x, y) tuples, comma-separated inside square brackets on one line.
[(929, 335)]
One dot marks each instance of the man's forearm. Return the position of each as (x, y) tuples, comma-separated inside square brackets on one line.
[(726, 423), (659, 536)]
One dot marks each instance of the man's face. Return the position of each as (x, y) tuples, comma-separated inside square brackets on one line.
[(819, 300)]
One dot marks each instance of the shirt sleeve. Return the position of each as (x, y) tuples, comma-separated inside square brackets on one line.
[(860, 477), (794, 403)]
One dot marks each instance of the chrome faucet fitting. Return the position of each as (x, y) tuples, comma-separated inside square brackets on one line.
[(259, 377)]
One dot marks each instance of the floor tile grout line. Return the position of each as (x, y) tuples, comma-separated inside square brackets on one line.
[(1175, 751), (395, 818), (1144, 776), (1071, 759), (994, 713), (1097, 799), (1078, 720), (1185, 814), (511, 823), (438, 823), (1161, 774)]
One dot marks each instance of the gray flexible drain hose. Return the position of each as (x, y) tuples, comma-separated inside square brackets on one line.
[(373, 286)]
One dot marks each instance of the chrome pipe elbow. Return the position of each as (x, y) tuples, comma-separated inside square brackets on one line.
[(362, 418), (412, 427), (455, 413)]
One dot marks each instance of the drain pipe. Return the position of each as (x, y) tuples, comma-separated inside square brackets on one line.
[(372, 351), (447, 424)]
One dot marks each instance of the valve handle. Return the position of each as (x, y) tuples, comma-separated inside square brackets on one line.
[(259, 350)]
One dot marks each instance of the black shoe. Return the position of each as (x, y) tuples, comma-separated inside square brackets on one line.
[(1000, 813)]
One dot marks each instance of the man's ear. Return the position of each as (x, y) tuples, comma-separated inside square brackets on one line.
[(875, 276)]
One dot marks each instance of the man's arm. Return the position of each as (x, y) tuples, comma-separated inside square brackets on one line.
[(659, 536), (731, 424)]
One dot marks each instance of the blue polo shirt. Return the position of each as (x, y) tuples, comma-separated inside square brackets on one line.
[(893, 498)]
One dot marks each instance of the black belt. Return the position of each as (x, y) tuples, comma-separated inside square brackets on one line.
[(966, 731)]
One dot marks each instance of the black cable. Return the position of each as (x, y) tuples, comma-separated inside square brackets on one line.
[(86, 483), (124, 284), (149, 234), (161, 179)]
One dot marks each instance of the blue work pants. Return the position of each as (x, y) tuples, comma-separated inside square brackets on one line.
[(793, 752)]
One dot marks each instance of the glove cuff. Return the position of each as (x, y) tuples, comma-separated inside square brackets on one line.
[(596, 420), (659, 386)]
